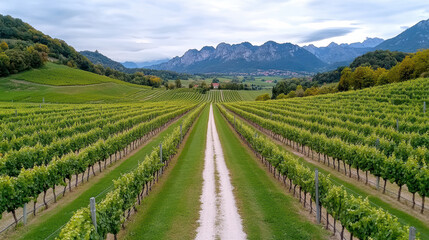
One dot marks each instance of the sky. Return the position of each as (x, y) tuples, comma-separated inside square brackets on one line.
[(136, 30)]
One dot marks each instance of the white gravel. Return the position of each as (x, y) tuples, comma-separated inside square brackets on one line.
[(219, 218)]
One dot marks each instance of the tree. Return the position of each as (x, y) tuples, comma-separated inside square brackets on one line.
[(383, 78), (178, 83), (362, 77), (291, 94), (3, 46), (4, 64), (406, 69), (299, 91), (171, 86), (215, 80), (281, 96), (345, 79), (263, 97)]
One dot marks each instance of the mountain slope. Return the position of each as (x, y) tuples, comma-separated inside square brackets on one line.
[(98, 58), (344, 53), (244, 58), (411, 40)]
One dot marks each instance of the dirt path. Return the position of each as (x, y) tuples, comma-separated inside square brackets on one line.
[(219, 216)]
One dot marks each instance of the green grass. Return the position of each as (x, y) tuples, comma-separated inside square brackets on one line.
[(171, 211), (48, 223), (267, 212), (61, 75), (251, 95)]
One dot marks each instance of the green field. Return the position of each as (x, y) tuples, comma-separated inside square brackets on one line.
[(60, 84), (60, 75)]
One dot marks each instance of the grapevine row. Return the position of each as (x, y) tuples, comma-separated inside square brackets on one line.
[(355, 213), (128, 189)]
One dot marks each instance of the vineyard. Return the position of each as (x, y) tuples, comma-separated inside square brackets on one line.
[(210, 96), (371, 149), (43, 148), (382, 131)]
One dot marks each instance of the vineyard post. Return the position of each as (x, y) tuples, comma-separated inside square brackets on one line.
[(160, 152), (271, 115), (412, 235), (40, 105), (25, 213), (317, 196), (424, 107), (181, 136), (377, 145), (16, 113), (93, 215), (397, 125)]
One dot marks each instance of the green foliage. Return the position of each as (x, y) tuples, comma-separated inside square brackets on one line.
[(412, 66), (263, 97), (378, 59), (328, 77)]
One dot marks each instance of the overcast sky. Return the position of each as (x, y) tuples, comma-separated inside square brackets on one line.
[(136, 30)]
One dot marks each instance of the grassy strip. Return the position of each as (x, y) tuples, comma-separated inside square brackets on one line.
[(48, 223), (403, 217), (171, 210), (267, 212)]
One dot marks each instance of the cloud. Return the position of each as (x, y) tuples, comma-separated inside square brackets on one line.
[(326, 34), (129, 30)]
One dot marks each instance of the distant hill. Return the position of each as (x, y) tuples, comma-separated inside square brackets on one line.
[(129, 64), (144, 64), (343, 53), (379, 58), (244, 58), (98, 58), (410, 40)]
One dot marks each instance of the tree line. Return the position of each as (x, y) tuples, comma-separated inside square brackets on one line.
[(21, 58), (411, 67)]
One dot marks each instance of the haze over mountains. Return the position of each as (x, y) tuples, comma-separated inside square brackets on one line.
[(286, 57), (338, 53)]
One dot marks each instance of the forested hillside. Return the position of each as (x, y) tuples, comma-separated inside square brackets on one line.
[(23, 47)]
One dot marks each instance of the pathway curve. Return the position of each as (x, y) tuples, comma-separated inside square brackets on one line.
[(219, 218)]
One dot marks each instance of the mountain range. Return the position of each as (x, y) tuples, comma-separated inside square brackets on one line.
[(272, 57), (334, 53), (244, 58)]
